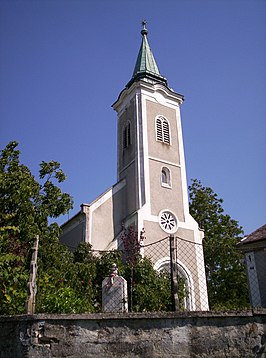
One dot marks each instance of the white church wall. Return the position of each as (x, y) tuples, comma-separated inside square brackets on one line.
[(163, 197), (101, 222), (73, 231), (106, 214)]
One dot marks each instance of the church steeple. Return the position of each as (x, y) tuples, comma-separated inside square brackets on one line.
[(146, 66)]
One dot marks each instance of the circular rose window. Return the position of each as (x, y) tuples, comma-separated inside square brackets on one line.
[(168, 221)]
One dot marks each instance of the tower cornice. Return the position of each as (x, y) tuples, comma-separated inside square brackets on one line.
[(149, 87)]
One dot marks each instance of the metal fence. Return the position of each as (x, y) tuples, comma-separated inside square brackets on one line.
[(169, 276), (183, 260), (173, 274)]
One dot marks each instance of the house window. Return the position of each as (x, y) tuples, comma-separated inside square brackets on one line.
[(162, 130), (166, 177), (127, 135)]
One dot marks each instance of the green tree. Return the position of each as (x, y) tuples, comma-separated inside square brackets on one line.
[(66, 282), (151, 290), (67, 285), (26, 205), (225, 271), (148, 289)]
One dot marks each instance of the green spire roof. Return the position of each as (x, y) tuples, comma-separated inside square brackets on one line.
[(146, 66), (145, 61)]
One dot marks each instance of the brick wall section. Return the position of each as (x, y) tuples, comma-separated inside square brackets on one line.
[(193, 334)]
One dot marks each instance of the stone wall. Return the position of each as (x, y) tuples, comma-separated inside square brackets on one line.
[(193, 334)]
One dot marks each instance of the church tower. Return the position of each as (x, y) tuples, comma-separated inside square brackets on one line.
[(151, 161), (150, 150), (151, 190)]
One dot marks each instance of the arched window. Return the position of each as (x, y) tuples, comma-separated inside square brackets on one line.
[(185, 282), (166, 177), (127, 135), (162, 130)]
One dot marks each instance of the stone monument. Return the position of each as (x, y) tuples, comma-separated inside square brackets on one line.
[(114, 292)]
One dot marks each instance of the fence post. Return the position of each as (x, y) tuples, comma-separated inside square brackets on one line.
[(32, 287), (174, 273)]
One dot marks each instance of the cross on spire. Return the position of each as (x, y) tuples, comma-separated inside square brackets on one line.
[(146, 66), (144, 30)]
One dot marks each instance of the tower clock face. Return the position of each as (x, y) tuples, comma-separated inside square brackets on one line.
[(168, 221)]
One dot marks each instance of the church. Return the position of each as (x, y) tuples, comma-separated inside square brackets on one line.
[(151, 190)]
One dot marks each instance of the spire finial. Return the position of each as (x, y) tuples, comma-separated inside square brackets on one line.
[(144, 31), (146, 67)]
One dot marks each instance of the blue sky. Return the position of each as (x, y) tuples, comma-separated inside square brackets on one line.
[(63, 63)]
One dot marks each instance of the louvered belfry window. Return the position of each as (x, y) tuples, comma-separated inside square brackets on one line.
[(127, 136), (162, 130)]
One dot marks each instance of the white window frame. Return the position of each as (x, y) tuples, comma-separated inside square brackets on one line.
[(168, 182), (162, 130)]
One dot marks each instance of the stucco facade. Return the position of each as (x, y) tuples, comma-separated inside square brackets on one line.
[(151, 192)]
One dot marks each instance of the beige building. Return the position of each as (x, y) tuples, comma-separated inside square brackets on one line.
[(151, 188), (254, 248)]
